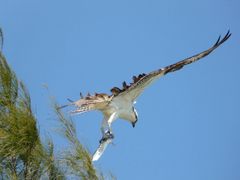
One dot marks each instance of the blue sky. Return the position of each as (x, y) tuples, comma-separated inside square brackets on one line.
[(189, 121)]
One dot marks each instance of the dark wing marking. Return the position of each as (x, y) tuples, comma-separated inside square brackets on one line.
[(143, 80)]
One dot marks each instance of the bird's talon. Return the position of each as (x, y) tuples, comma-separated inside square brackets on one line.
[(107, 135)]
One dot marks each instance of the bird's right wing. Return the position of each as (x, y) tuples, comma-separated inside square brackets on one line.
[(133, 90)]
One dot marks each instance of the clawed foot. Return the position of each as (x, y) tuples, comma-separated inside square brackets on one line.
[(107, 135)]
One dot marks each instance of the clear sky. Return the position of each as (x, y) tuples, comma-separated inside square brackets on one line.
[(189, 121)]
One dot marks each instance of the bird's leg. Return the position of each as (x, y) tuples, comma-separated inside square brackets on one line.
[(110, 120), (108, 135), (106, 128), (105, 131)]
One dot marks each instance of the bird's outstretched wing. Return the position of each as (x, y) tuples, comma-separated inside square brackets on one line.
[(88, 103), (140, 82)]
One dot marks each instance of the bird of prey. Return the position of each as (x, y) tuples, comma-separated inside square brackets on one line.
[(120, 103)]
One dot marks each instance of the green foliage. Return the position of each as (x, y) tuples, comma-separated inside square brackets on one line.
[(52, 166), (22, 153), (77, 159)]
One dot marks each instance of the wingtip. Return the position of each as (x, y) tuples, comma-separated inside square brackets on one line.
[(228, 34), (220, 41), (217, 41)]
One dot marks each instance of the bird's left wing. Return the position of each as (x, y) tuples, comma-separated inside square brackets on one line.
[(90, 102), (140, 82)]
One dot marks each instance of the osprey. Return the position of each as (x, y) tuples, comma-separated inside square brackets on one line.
[(120, 104)]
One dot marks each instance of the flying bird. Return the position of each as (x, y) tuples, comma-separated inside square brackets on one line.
[(120, 103)]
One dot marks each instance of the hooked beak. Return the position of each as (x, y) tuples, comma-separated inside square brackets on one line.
[(134, 123)]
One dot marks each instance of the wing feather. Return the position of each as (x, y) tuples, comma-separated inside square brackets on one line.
[(142, 81), (88, 103)]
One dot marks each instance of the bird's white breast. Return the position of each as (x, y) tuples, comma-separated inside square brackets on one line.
[(123, 107)]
